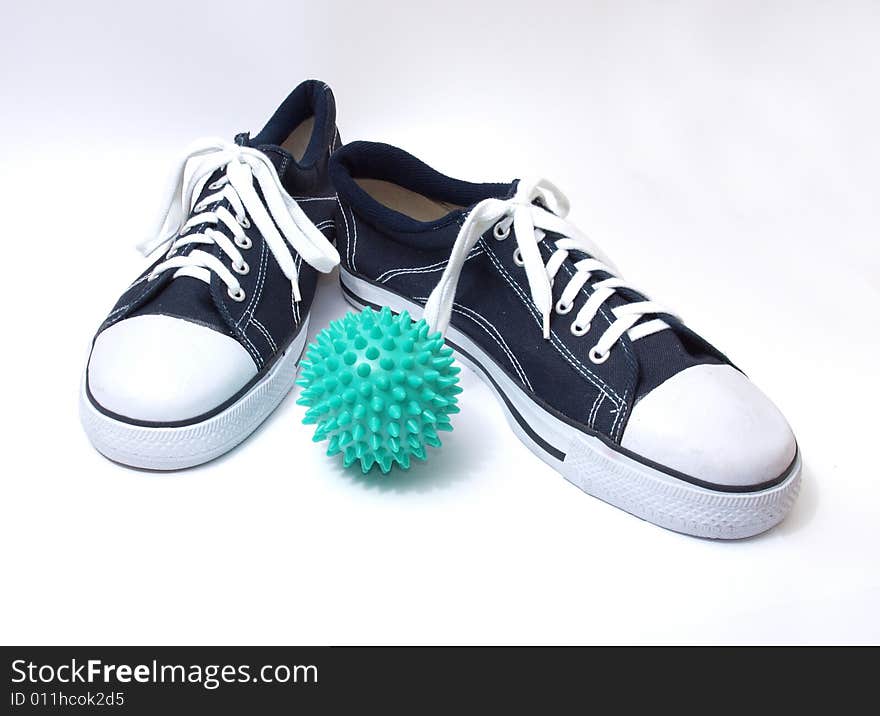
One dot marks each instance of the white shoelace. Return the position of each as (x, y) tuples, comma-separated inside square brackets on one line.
[(242, 167), (530, 222)]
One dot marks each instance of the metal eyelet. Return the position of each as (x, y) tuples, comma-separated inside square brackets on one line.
[(216, 184), (597, 357), (238, 296), (243, 270), (563, 308), (243, 243), (244, 222), (517, 257), (499, 232), (578, 330)]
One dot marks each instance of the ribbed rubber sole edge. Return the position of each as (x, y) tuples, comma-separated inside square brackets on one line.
[(598, 470)]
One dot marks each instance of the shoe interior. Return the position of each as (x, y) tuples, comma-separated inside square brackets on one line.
[(416, 206), (392, 189), (298, 140)]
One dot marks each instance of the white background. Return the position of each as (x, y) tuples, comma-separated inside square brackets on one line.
[(725, 154)]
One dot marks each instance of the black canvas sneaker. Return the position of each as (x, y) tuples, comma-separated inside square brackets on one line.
[(203, 346), (606, 386)]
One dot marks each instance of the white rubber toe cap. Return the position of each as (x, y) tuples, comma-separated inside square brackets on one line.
[(162, 369), (712, 423)]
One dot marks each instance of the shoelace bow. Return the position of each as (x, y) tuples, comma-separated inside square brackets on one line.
[(242, 168), (530, 221)]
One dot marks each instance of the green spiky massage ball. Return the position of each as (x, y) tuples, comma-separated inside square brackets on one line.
[(379, 386)]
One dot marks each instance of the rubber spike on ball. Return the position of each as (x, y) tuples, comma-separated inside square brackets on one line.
[(378, 386)]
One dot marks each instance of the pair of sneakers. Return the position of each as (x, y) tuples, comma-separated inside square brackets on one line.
[(611, 389)]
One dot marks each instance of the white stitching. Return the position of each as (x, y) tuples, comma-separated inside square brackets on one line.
[(600, 384), (264, 274), (130, 303), (597, 382), (347, 234), (258, 291), (260, 327), (620, 411), (430, 268), (293, 302), (498, 338), (354, 245), (591, 420), (118, 310), (252, 349), (135, 283), (324, 226)]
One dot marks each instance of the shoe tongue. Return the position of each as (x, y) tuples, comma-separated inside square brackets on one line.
[(281, 159), (187, 298)]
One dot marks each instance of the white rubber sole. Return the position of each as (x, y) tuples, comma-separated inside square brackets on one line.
[(174, 448), (596, 467)]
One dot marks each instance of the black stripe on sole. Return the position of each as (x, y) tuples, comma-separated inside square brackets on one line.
[(560, 455)]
